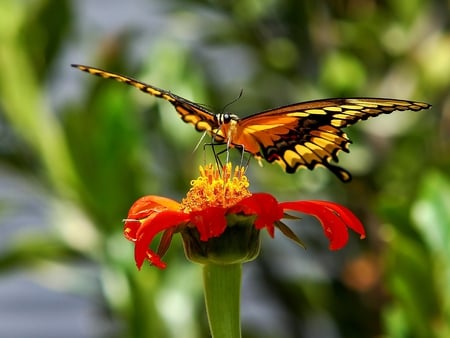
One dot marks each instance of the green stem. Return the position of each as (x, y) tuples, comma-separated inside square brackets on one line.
[(222, 285)]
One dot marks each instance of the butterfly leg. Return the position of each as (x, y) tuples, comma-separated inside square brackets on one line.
[(215, 154), (241, 148), (247, 163), (228, 150)]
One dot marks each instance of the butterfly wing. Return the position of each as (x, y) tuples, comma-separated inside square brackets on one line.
[(308, 134), (190, 112), (304, 134)]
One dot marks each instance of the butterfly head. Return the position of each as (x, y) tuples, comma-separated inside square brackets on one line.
[(225, 118)]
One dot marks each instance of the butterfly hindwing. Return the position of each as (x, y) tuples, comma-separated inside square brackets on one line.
[(309, 133)]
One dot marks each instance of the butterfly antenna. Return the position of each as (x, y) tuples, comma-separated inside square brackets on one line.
[(234, 100)]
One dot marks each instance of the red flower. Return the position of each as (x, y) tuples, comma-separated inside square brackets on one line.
[(209, 208)]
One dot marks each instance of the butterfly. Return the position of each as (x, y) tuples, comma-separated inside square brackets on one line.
[(305, 134)]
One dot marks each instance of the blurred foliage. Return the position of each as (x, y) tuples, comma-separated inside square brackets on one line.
[(92, 154)]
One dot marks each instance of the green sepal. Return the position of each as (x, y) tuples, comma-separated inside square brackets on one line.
[(289, 233), (239, 243)]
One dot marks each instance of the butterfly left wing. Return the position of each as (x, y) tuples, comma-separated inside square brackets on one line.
[(308, 134), (189, 111)]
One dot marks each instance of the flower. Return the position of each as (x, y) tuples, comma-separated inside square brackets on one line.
[(220, 219)]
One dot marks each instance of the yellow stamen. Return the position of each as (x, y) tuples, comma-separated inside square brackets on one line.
[(216, 189)]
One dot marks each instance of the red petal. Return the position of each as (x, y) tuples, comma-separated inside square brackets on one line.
[(210, 222), (149, 229), (130, 229), (334, 219), (145, 207), (154, 259), (347, 216), (265, 206)]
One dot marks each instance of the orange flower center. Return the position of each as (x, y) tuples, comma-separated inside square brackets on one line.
[(216, 189)]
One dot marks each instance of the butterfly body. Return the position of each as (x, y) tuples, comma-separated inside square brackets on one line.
[(305, 134)]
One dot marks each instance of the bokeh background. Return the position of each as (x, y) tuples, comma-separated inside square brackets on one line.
[(77, 151)]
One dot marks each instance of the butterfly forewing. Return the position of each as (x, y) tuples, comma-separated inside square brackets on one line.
[(190, 112)]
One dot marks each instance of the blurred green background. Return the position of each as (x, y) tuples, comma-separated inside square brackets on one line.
[(77, 151)]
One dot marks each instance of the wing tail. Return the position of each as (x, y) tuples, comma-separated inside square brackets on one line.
[(341, 173)]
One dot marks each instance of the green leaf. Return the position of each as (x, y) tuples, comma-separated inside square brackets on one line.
[(431, 212)]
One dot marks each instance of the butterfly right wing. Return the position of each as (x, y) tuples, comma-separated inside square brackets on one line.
[(189, 111), (307, 134)]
